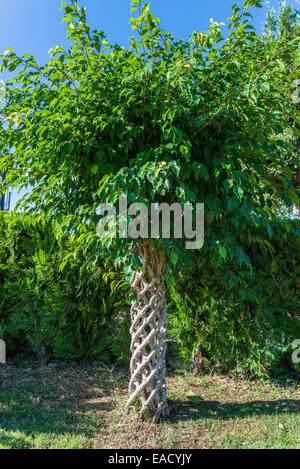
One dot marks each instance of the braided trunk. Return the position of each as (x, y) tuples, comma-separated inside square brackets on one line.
[(148, 337)]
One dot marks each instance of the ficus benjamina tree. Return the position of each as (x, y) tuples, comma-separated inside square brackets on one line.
[(161, 120)]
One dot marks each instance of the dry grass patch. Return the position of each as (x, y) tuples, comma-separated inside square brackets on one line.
[(81, 406)]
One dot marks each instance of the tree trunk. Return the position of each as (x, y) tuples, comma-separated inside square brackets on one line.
[(148, 337)]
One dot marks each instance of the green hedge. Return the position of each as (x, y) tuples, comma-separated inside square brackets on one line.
[(244, 321), (73, 312)]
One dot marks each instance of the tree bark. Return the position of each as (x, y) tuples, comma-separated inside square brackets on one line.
[(148, 337)]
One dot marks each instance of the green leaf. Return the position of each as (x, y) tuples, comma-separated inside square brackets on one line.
[(239, 192), (94, 168), (174, 257), (228, 183), (8, 51), (223, 252), (138, 259)]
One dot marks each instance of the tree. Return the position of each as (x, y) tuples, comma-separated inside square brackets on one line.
[(163, 120), (2, 196), (2, 91), (285, 24)]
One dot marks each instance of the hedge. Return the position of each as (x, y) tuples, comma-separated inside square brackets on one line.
[(242, 320), (238, 320), (73, 312)]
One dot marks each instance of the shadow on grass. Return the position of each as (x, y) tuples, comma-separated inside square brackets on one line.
[(182, 410), (53, 406), (74, 414)]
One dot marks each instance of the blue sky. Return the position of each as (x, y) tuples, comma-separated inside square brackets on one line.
[(34, 26)]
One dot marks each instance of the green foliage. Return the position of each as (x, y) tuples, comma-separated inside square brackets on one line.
[(245, 321), (284, 25), (2, 91), (162, 120), (71, 309)]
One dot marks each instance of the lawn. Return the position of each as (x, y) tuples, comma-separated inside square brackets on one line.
[(80, 406)]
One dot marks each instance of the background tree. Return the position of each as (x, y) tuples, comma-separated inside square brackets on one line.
[(2, 196), (281, 25), (164, 120)]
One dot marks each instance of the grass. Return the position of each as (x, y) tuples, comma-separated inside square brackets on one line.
[(80, 406)]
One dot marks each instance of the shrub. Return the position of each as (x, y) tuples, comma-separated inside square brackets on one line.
[(69, 309), (243, 321)]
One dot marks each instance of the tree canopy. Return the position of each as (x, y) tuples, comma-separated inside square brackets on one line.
[(163, 120)]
